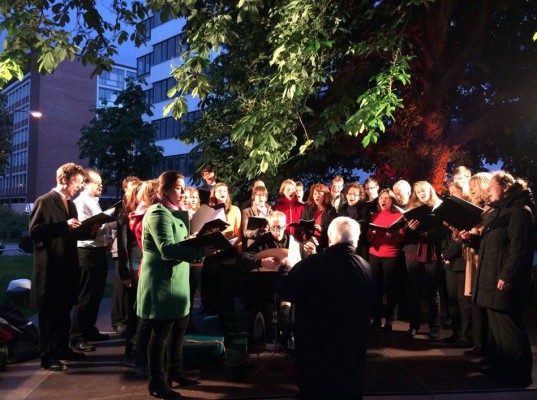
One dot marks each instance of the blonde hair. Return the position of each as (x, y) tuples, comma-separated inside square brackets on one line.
[(284, 184), (415, 202), (481, 181)]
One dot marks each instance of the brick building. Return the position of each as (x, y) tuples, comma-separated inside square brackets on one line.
[(65, 99)]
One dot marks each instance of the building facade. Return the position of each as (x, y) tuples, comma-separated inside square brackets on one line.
[(66, 100), (155, 61)]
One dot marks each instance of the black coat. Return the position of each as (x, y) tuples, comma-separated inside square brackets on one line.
[(308, 213), (362, 214), (506, 252), (55, 272), (452, 252), (332, 292)]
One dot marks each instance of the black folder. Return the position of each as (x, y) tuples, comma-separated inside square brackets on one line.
[(424, 215), (215, 224), (101, 218), (393, 225), (459, 213), (304, 224), (214, 239), (256, 222)]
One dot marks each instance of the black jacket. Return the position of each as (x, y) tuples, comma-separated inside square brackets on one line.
[(361, 214), (506, 252), (452, 252), (332, 292), (308, 213)]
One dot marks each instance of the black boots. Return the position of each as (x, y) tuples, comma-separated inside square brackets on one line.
[(160, 389)]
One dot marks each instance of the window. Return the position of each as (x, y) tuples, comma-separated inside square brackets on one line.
[(170, 128), (168, 49), (185, 163), (160, 89), (143, 66), (114, 78)]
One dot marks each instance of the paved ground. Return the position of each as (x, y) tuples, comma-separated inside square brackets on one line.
[(397, 368)]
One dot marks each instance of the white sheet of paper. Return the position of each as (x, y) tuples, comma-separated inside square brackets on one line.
[(294, 252)]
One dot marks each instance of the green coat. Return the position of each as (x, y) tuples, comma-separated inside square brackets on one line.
[(163, 288)]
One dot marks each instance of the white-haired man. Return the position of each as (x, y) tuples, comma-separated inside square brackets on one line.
[(402, 191), (332, 292)]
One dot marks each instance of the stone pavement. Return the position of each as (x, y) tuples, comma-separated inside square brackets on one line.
[(398, 367)]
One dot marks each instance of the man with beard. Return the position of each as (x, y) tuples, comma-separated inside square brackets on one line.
[(93, 268)]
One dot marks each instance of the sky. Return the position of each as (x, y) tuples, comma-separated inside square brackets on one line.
[(126, 52)]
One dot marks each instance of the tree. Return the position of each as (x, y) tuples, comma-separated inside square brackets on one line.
[(286, 84), (6, 133), (118, 141), (400, 89), (48, 32)]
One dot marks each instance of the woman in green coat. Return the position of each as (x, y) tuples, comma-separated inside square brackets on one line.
[(163, 298)]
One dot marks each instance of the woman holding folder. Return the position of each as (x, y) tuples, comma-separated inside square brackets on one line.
[(220, 196), (386, 235), (259, 210), (503, 275), (163, 300), (318, 209), (422, 255)]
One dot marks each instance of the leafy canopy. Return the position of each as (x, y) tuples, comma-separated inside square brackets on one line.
[(54, 30), (260, 68)]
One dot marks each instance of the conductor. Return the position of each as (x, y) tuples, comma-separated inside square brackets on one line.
[(332, 292)]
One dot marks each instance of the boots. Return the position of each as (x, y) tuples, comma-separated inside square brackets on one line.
[(160, 389), (181, 379)]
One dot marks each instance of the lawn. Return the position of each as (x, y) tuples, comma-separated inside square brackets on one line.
[(20, 267)]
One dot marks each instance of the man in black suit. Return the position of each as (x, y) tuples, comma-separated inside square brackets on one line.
[(332, 292), (53, 229)]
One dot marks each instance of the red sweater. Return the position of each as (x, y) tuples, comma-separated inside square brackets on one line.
[(292, 210), (382, 245)]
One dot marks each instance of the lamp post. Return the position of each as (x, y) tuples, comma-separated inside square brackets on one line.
[(34, 114)]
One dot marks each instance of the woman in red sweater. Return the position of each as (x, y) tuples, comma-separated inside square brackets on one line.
[(386, 236), (288, 204)]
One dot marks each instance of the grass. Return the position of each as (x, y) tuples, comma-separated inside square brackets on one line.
[(20, 267)]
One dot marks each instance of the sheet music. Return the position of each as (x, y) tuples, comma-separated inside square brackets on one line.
[(294, 252), (205, 214)]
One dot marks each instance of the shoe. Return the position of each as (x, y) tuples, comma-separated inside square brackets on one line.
[(387, 327), (120, 329), (285, 315), (53, 365), (182, 380), (434, 333), (83, 346), (412, 332), (493, 368), (474, 352), (70, 355), (375, 325), (162, 391), (97, 337), (447, 323)]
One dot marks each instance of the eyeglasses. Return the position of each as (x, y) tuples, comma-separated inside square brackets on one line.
[(277, 229)]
